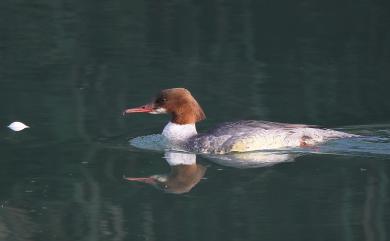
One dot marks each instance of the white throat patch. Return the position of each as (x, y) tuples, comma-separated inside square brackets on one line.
[(159, 111), (176, 132)]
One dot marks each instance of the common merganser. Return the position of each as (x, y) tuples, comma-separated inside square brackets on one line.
[(239, 136)]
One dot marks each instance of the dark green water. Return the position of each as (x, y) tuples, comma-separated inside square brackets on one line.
[(69, 68)]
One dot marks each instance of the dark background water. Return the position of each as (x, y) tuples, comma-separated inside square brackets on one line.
[(68, 69)]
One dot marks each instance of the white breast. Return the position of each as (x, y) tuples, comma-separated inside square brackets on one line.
[(175, 132)]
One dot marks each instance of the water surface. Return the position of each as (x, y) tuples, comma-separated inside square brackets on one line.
[(69, 68)]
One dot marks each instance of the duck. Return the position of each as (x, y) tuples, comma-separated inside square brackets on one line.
[(228, 137)]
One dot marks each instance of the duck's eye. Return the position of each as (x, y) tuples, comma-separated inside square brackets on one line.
[(161, 100)]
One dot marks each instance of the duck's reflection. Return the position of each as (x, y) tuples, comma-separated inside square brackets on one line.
[(252, 159), (186, 173)]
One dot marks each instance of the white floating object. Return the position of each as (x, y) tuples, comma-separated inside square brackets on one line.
[(17, 126)]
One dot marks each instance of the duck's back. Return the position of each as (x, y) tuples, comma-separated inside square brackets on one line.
[(250, 135)]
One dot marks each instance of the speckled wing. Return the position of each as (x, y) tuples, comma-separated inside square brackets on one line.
[(244, 136)]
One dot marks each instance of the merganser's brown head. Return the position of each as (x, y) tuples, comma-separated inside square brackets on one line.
[(178, 102)]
